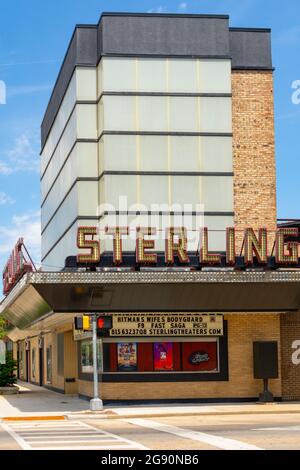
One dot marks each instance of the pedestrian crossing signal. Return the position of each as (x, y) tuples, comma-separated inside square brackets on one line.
[(104, 324), (82, 323)]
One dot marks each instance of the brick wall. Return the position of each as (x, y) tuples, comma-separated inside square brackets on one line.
[(253, 151), (242, 331), (290, 340)]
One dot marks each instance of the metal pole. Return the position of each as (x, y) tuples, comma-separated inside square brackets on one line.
[(96, 403)]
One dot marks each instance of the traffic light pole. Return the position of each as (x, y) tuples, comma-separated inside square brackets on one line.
[(96, 403)]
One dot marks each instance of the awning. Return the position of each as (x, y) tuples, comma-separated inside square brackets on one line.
[(157, 291)]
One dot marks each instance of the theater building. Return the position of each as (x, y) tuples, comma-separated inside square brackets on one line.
[(160, 133)]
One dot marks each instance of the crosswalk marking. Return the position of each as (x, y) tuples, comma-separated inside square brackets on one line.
[(279, 428), (211, 439), (65, 436)]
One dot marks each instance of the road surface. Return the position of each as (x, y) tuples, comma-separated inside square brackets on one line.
[(235, 432)]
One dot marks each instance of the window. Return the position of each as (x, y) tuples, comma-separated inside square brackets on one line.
[(162, 357), (49, 363), (86, 356), (60, 354), (21, 362), (33, 361)]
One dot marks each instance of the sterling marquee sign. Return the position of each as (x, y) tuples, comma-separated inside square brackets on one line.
[(255, 247), (166, 324), (16, 266)]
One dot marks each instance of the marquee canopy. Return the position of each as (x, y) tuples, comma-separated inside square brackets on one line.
[(39, 293)]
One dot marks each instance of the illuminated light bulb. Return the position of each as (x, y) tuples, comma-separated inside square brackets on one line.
[(205, 257), (92, 245), (291, 247), (259, 246), (179, 247), (117, 233), (142, 257)]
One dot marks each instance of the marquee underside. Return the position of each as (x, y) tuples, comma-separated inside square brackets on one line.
[(37, 294)]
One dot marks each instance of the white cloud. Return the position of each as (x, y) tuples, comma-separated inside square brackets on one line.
[(5, 169), (35, 62), (27, 90), (159, 9), (27, 226), (182, 6), (5, 199), (22, 156)]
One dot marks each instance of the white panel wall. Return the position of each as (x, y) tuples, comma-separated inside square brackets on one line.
[(86, 115), (81, 201), (215, 114), (59, 123), (164, 75), (118, 153), (59, 157), (166, 114), (60, 222), (152, 75), (82, 163), (86, 83), (83, 86), (153, 153), (165, 153), (213, 193), (55, 261), (138, 152), (217, 193), (216, 230)]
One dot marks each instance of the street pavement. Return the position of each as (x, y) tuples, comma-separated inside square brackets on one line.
[(236, 432), (41, 419)]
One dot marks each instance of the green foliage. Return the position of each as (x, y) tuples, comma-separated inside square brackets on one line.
[(3, 327), (7, 371)]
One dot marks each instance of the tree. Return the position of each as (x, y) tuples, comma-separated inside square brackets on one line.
[(7, 371), (3, 327)]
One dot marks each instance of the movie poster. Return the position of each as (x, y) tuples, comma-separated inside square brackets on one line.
[(127, 357), (163, 356)]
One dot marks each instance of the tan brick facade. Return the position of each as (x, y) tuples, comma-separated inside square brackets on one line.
[(253, 152), (290, 341), (242, 331)]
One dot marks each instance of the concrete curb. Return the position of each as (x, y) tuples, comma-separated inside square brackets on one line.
[(110, 414), (103, 415)]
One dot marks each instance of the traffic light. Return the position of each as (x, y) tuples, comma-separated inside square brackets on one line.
[(82, 323), (104, 324)]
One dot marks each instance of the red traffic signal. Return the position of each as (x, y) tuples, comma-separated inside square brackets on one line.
[(104, 323)]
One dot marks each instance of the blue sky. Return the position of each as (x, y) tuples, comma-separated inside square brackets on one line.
[(34, 35)]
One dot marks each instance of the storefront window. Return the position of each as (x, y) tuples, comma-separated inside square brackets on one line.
[(86, 356), (33, 359), (162, 357), (49, 363)]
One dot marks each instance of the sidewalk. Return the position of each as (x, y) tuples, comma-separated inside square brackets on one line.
[(37, 402)]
